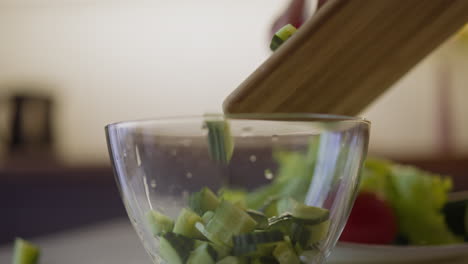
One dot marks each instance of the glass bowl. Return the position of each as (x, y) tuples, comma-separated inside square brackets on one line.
[(258, 187)]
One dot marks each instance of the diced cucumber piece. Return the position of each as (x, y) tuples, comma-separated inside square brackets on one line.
[(281, 36), (282, 223), (221, 143), (260, 218), (318, 232), (227, 221), (246, 244), (175, 248), (203, 201), (307, 214), (159, 223), (270, 209), (204, 253), (285, 254), (185, 224), (310, 215), (25, 252), (264, 260), (232, 260), (207, 216)]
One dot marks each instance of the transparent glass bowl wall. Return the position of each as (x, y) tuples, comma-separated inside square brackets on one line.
[(159, 163)]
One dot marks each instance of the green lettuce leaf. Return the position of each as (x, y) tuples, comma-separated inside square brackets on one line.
[(417, 198)]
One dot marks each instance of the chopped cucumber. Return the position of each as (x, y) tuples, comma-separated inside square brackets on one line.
[(159, 223), (228, 220), (175, 248), (307, 214), (281, 36), (185, 224), (247, 243), (270, 208), (310, 215), (221, 143), (204, 253), (264, 260), (232, 260), (207, 216), (318, 232), (285, 254), (260, 218), (25, 252), (203, 201), (216, 229)]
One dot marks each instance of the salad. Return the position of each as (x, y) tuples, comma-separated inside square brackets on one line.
[(219, 229)]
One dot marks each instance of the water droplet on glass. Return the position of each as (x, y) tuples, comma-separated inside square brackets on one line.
[(174, 152), (153, 184), (189, 175), (274, 138), (253, 158), (137, 152), (268, 174)]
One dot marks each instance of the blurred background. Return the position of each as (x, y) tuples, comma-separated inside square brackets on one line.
[(69, 67)]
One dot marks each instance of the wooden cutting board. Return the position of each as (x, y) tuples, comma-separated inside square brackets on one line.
[(346, 55)]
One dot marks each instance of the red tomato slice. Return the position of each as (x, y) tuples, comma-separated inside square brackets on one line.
[(372, 221)]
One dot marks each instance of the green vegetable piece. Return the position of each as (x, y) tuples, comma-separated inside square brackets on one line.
[(270, 208), (281, 36), (204, 253), (185, 224), (228, 220), (285, 254), (207, 216), (308, 214), (264, 260), (175, 248), (259, 217), (221, 143), (282, 223), (318, 232), (159, 223), (232, 260), (25, 252), (204, 200), (247, 243)]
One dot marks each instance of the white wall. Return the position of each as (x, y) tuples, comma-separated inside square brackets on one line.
[(118, 60)]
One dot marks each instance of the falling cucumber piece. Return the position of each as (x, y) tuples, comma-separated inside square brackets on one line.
[(25, 252), (185, 224), (221, 143), (281, 36), (204, 253), (159, 223), (285, 254), (202, 201)]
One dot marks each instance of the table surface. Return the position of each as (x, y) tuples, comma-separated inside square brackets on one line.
[(109, 242)]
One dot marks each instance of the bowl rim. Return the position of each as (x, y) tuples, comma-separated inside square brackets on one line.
[(303, 117)]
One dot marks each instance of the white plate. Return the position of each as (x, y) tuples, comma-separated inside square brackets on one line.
[(362, 253)]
